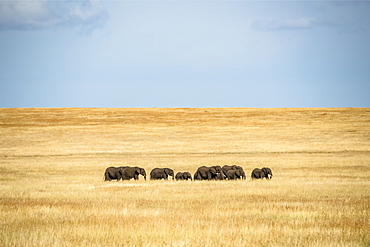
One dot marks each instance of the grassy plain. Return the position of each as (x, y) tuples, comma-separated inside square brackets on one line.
[(53, 194)]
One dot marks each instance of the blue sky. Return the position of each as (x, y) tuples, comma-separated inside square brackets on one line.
[(184, 53)]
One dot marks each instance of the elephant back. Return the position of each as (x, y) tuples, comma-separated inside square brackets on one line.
[(179, 176)]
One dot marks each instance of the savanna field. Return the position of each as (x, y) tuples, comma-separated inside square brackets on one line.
[(53, 193)]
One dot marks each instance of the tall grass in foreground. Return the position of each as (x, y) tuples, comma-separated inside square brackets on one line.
[(297, 212)]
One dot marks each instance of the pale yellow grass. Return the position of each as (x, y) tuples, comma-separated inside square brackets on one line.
[(53, 194)]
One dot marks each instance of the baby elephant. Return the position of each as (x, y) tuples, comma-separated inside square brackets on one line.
[(183, 176)]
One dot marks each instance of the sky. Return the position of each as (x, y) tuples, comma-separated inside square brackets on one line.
[(224, 53)]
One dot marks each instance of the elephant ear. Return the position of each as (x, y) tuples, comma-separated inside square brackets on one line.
[(218, 168), (120, 171), (142, 171)]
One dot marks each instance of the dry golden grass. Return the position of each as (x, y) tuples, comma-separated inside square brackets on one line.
[(53, 194)]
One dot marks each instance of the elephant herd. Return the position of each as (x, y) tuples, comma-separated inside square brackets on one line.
[(203, 173)]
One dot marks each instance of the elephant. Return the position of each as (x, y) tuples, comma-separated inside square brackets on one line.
[(227, 168), (208, 173), (233, 174), (265, 172), (141, 171), (183, 176), (112, 173), (159, 173), (132, 172)]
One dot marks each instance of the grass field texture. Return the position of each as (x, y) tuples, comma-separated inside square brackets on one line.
[(52, 163)]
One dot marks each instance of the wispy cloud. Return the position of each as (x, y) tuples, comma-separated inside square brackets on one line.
[(42, 14), (286, 24)]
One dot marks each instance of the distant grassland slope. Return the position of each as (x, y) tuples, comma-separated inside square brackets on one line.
[(52, 163)]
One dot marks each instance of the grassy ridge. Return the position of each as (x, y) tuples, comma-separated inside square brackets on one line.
[(52, 163)]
